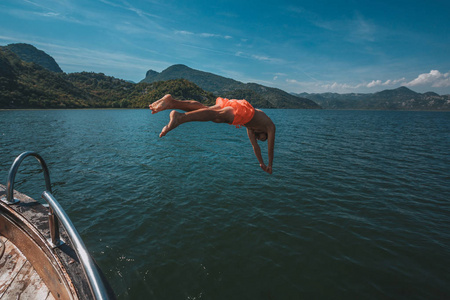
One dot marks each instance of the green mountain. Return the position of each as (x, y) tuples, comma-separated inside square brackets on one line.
[(401, 98), (29, 85), (29, 53), (258, 95)]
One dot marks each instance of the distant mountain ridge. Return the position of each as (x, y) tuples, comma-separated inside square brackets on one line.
[(259, 95), (30, 78), (29, 53), (401, 98)]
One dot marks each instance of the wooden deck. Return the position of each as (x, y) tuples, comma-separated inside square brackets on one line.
[(30, 267), (18, 279)]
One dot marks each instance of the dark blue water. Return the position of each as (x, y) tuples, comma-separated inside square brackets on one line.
[(357, 207)]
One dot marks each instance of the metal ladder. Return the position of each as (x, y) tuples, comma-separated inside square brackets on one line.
[(56, 215)]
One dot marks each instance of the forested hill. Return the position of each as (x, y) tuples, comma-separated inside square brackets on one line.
[(259, 95), (29, 85), (29, 53)]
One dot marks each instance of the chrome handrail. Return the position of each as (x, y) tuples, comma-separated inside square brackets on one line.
[(12, 175), (95, 281), (9, 199), (56, 212)]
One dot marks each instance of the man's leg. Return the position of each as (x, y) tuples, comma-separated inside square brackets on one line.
[(213, 113), (167, 102)]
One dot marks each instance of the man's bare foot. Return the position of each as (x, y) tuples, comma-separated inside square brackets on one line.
[(173, 123), (161, 104)]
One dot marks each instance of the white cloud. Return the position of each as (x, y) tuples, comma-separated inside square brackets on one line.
[(209, 35), (129, 7), (442, 83), (263, 58), (183, 32), (292, 81), (395, 81), (46, 6), (203, 34), (374, 83), (434, 78), (49, 14), (362, 29), (260, 57), (130, 28), (378, 82), (277, 75)]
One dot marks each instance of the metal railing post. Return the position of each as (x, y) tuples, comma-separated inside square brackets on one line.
[(95, 281), (13, 171), (9, 199)]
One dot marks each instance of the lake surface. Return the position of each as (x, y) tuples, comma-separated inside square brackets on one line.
[(358, 205)]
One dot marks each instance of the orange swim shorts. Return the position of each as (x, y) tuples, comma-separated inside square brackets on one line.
[(243, 111)]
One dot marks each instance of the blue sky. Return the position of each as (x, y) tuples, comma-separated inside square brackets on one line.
[(298, 46)]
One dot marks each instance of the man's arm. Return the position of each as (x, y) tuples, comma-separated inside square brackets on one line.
[(256, 148), (270, 146)]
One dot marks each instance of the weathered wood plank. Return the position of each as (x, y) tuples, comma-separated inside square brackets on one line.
[(11, 263), (26, 285), (50, 297), (18, 279)]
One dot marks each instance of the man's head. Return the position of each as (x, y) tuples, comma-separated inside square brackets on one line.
[(262, 136)]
